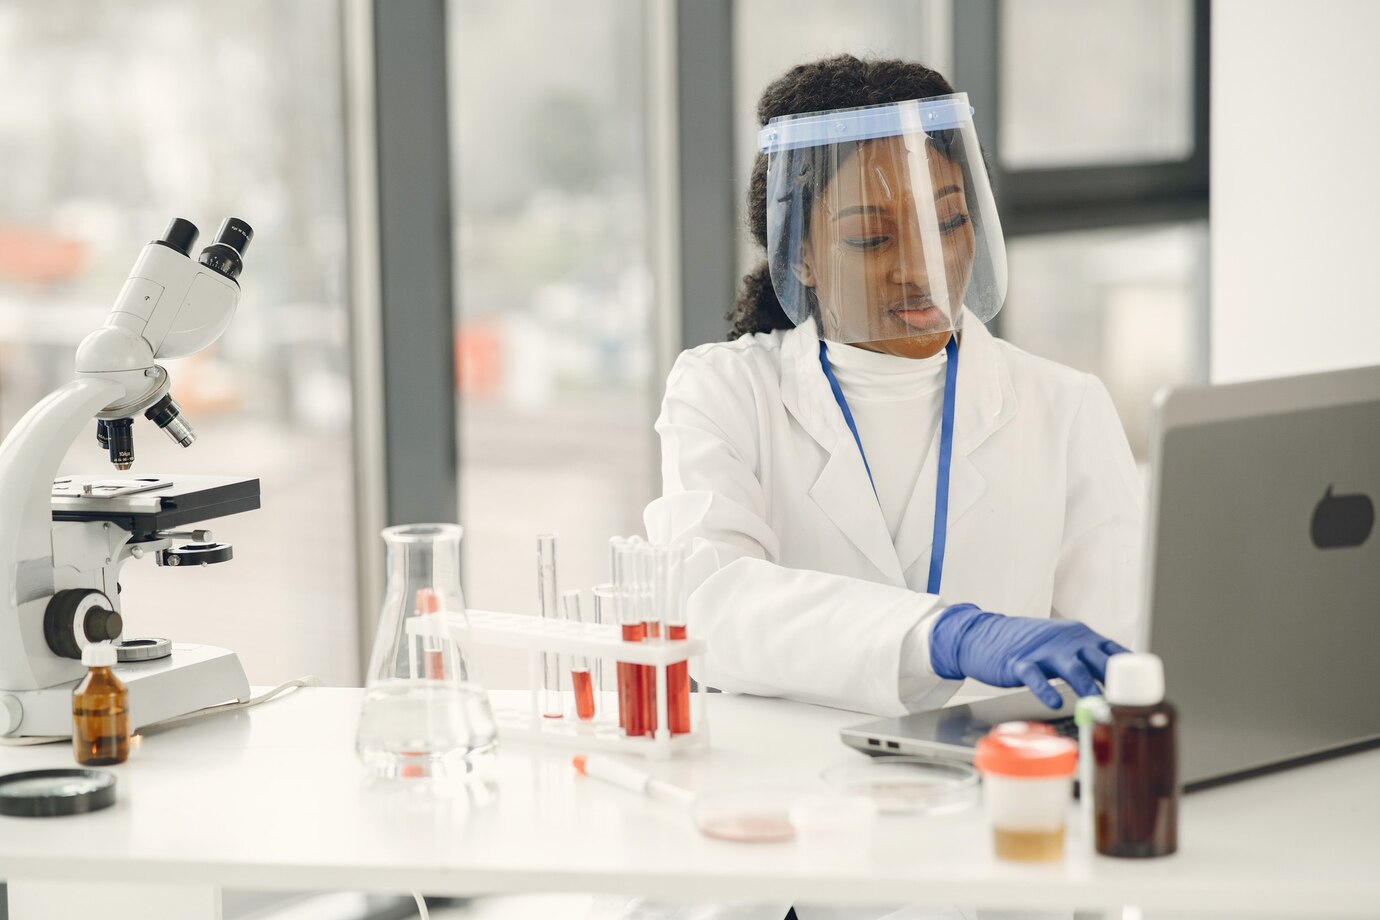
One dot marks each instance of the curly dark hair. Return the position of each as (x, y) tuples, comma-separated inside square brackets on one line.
[(833, 83)]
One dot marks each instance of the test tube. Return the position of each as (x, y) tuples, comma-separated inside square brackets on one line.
[(551, 704), (604, 595), (433, 649), (580, 677), (631, 715), (428, 602), (671, 600), (651, 622)]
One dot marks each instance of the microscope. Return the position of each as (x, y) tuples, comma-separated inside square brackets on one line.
[(64, 538)]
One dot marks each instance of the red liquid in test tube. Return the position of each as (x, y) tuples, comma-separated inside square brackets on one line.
[(678, 687), (631, 707), (584, 694), (581, 681)]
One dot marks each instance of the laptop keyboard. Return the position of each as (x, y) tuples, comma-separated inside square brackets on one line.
[(1064, 728)]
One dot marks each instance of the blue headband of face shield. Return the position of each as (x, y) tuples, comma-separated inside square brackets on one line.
[(792, 132)]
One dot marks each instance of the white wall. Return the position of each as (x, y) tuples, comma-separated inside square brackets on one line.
[(1295, 229)]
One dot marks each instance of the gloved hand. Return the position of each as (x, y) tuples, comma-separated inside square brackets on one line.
[(1010, 651)]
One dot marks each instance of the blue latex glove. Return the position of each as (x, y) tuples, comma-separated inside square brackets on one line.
[(1013, 651)]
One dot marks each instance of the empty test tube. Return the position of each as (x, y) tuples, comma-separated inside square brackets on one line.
[(581, 678), (551, 704), (605, 611)]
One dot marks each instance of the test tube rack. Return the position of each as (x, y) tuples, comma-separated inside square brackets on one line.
[(604, 641)]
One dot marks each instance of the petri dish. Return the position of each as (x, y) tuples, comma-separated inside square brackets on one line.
[(749, 814), (907, 785)]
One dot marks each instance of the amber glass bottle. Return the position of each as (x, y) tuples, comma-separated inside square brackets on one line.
[(100, 711), (1135, 756)]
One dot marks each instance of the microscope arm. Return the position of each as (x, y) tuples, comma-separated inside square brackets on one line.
[(29, 461)]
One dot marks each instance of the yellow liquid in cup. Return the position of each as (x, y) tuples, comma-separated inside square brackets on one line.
[(1029, 846)]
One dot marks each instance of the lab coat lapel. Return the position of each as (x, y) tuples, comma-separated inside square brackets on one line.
[(842, 490), (985, 401)]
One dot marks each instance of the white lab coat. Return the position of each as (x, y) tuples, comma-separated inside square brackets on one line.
[(795, 581)]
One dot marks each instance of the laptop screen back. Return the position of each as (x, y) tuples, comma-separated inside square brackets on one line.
[(1264, 596)]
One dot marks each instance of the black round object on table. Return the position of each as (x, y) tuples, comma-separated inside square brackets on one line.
[(52, 793)]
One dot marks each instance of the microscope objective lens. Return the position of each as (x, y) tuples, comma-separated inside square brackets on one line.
[(167, 414), (120, 442)]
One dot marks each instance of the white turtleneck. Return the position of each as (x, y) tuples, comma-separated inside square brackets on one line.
[(896, 404)]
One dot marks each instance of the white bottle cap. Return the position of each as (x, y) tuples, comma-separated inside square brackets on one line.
[(1135, 679), (100, 655)]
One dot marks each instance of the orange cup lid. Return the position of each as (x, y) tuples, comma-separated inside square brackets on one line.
[(1021, 728), (1008, 750)]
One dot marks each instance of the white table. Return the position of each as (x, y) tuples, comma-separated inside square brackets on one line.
[(274, 799)]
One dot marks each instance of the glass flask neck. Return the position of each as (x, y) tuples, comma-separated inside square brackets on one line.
[(424, 563), (423, 566)]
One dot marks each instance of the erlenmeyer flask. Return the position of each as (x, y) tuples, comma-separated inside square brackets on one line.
[(422, 715)]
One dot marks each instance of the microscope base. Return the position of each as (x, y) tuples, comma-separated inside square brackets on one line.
[(191, 678)]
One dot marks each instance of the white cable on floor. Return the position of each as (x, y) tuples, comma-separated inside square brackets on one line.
[(421, 905)]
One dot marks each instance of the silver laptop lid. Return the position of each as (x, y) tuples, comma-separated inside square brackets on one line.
[(1263, 575)]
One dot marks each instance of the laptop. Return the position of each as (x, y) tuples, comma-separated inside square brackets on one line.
[(1262, 583)]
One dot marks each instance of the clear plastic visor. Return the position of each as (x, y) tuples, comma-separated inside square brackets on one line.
[(880, 221)]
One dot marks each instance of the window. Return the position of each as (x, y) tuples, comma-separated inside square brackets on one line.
[(555, 318), (1095, 118), (1126, 304), (1094, 83)]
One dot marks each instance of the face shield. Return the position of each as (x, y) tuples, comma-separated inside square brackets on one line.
[(880, 220)]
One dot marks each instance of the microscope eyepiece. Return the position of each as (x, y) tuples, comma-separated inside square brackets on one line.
[(181, 235), (167, 414), (226, 254), (236, 234)]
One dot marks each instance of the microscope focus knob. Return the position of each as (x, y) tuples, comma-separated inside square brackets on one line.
[(102, 625), (76, 617)]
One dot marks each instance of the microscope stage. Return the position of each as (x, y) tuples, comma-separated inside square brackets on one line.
[(145, 504)]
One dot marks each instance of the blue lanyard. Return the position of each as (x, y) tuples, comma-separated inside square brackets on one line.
[(946, 450)]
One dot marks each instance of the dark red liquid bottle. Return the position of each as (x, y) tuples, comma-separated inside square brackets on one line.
[(1135, 763)]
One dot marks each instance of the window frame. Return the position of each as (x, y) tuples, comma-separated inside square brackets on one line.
[(1060, 199)]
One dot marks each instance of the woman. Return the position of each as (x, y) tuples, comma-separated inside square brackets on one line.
[(881, 499)]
